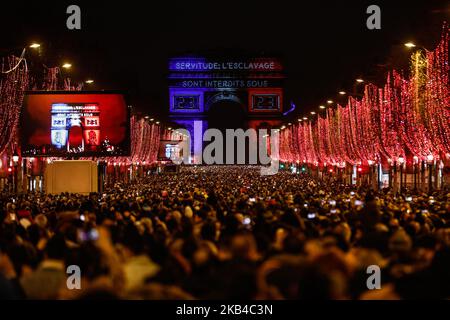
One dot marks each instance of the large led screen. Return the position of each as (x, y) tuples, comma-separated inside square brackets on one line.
[(75, 124)]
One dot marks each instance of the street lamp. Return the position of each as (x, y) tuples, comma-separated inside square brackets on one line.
[(89, 81), (430, 159), (409, 45), (401, 160), (329, 101), (322, 107), (15, 159), (415, 162), (342, 93), (372, 171), (30, 175), (67, 65), (34, 45), (357, 87)]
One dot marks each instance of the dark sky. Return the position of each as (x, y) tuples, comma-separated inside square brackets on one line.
[(324, 45)]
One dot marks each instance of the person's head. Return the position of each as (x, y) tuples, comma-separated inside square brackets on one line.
[(23, 256), (41, 221), (90, 259), (293, 243), (204, 254), (400, 242), (278, 277), (243, 246), (208, 231), (132, 239), (34, 234), (56, 247)]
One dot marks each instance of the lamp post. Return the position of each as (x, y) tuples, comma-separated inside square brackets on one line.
[(430, 159), (401, 161), (15, 159), (415, 161), (372, 172), (31, 175), (394, 178)]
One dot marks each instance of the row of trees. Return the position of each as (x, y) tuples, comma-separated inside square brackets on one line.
[(408, 117)]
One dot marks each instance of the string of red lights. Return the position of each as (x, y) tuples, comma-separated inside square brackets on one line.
[(408, 117)]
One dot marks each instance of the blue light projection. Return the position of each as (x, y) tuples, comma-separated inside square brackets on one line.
[(198, 83), (186, 101)]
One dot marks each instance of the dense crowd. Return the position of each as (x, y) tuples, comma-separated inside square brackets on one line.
[(226, 233)]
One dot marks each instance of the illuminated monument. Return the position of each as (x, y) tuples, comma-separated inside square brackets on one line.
[(225, 93)]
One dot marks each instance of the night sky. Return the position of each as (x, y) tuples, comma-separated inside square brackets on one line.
[(324, 45)]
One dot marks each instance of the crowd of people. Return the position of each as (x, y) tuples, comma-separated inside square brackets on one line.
[(226, 232)]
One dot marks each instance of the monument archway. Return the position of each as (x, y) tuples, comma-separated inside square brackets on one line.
[(224, 93)]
